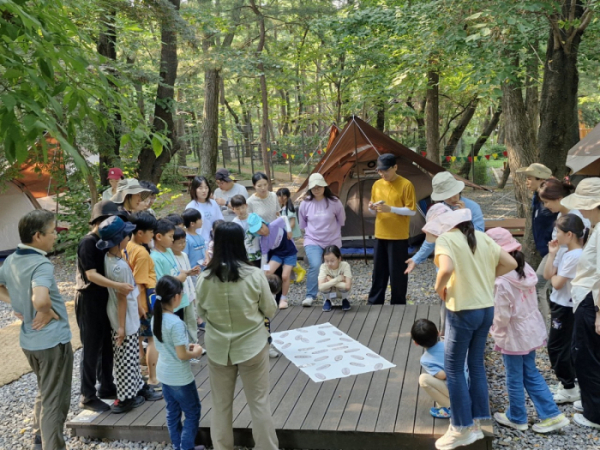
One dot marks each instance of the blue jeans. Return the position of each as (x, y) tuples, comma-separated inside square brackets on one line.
[(314, 254), (521, 372), (182, 399), (466, 333)]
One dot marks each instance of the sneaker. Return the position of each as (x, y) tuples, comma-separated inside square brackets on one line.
[(149, 394), (477, 429), (120, 407), (345, 304), (156, 387), (580, 420), (283, 304), (567, 395), (440, 413), (503, 420), (551, 424), (272, 352), (578, 406), (95, 405), (308, 301), (327, 306), (37, 442), (194, 361), (457, 438), (556, 387)]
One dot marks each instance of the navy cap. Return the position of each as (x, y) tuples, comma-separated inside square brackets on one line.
[(385, 161), (112, 232)]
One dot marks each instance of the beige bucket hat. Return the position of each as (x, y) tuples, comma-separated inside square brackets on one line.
[(125, 187), (445, 186), (316, 179), (536, 170), (586, 196), (446, 221)]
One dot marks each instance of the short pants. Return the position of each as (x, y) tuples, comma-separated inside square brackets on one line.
[(286, 260), (145, 327)]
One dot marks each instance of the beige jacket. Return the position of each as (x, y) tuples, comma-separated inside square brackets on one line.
[(234, 313)]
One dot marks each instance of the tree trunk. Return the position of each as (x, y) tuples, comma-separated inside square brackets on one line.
[(210, 128), (505, 175), (151, 166), (521, 147), (459, 130), (180, 128), (432, 116), (487, 132), (381, 115), (224, 139), (263, 90), (109, 141), (559, 129)]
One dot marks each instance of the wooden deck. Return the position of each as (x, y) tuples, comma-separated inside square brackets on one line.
[(383, 410)]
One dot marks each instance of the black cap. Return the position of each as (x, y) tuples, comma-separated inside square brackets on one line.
[(104, 209), (385, 161), (223, 175)]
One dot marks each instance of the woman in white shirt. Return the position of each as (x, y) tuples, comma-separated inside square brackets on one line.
[(585, 293), (209, 210), (263, 202)]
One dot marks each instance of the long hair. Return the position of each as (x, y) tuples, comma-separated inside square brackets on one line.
[(166, 290), (229, 253), (553, 189), (257, 177), (520, 258), (571, 223), (285, 192), (327, 193), (468, 230), (195, 184)]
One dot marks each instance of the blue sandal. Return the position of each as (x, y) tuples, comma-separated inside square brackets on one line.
[(440, 413)]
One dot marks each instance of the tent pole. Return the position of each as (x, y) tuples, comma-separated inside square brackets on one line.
[(360, 193)]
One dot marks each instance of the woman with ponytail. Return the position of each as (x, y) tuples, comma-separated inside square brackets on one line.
[(469, 262), (552, 192), (518, 331), (174, 368)]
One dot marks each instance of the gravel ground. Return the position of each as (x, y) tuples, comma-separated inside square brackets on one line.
[(18, 397)]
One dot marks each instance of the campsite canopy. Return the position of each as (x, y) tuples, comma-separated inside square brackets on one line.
[(349, 167), (584, 157)]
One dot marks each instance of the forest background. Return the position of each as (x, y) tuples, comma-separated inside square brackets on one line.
[(159, 84)]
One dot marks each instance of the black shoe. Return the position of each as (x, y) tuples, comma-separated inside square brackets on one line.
[(109, 395), (94, 404), (150, 394), (120, 407), (37, 442), (345, 305)]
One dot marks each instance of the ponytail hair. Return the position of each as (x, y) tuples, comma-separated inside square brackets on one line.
[(571, 223), (520, 258), (468, 230), (166, 290), (285, 192)]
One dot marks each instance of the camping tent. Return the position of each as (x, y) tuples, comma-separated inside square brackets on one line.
[(349, 167), (16, 201), (584, 157)]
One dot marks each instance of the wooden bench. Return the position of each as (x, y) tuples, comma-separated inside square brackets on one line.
[(515, 226)]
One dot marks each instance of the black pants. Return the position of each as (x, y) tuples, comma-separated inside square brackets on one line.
[(559, 344), (586, 356), (389, 264), (97, 354)]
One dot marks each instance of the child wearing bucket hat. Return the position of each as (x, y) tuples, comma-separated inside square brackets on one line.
[(122, 312), (518, 331), (448, 189), (585, 293)]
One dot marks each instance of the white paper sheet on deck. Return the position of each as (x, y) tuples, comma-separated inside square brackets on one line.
[(325, 353)]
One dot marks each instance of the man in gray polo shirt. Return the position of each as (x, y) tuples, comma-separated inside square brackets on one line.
[(27, 282)]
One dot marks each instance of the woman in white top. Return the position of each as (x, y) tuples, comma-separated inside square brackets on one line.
[(585, 293), (552, 192), (263, 202), (209, 210)]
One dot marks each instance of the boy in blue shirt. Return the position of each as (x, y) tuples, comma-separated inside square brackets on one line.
[(195, 246)]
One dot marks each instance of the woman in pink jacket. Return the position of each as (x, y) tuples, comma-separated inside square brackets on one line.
[(518, 330)]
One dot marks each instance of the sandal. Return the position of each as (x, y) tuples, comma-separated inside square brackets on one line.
[(283, 304), (440, 413)]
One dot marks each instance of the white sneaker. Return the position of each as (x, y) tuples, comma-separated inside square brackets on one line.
[(578, 406), (272, 352), (308, 301), (552, 424), (567, 395), (556, 387), (502, 419), (457, 438), (283, 304), (580, 420)]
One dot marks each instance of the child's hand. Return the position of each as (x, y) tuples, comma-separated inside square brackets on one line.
[(410, 266), (553, 247), (120, 337), (341, 278), (124, 288), (196, 350), (328, 279), (196, 270), (289, 235)]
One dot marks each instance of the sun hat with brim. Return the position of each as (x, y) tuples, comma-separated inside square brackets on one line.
[(126, 187), (254, 223), (445, 186), (586, 196), (504, 239), (536, 170), (436, 210), (103, 210), (446, 221), (316, 179), (112, 231)]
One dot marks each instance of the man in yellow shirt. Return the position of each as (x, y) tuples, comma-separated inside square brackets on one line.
[(393, 200)]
